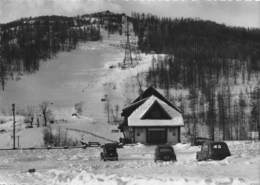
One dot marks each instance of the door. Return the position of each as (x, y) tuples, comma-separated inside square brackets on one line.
[(156, 136)]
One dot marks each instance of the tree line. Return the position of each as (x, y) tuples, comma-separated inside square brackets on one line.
[(195, 38)]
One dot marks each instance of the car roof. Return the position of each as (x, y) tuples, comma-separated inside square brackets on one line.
[(110, 145), (203, 138), (164, 146)]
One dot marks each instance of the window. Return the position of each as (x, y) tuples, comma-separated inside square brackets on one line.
[(111, 150), (217, 146)]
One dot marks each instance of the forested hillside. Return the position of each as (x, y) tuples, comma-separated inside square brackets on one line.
[(218, 65), (27, 41)]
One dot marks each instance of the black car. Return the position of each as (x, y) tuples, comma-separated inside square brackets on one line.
[(213, 150), (109, 152), (164, 153)]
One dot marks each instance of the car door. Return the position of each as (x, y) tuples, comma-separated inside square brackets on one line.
[(203, 155), (214, 151)]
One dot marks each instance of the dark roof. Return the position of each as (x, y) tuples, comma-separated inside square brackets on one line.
[(112, 145), (127, 111), (215, 142)]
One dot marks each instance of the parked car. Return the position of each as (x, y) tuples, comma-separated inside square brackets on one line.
[(200, 140), (164, 153), (213, 150), (109, 152)]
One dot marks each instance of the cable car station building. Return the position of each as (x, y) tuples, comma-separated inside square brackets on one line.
[(152, 119)]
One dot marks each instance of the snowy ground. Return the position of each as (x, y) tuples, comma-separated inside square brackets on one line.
[(33, 137), (135, 166)]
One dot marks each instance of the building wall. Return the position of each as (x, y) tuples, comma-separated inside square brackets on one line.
[(172, 135), (140, 135)]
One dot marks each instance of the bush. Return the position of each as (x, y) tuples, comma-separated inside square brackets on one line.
[(58, 139)]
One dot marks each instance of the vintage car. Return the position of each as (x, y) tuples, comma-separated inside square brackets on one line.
[(109, 152), (213, 150), (164, 153)]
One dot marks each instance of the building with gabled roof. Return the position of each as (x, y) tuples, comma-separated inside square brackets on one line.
[(152, 119)]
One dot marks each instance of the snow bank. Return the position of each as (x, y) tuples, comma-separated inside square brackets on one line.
[(91, 179), (135, 166), (186, 147)]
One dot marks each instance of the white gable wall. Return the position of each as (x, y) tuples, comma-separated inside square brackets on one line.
[(135, 118)]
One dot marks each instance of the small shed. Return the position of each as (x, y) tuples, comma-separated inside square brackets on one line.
[(152, 119)]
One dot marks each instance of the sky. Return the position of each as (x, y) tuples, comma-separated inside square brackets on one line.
[(244, 13)]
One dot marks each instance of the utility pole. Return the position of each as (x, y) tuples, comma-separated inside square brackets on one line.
[(13, 109), (18, 141)]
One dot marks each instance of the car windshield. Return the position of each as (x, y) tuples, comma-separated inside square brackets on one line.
[(165, 150), (111, 150)]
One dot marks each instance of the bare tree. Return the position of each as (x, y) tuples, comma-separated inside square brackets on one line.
[(3, 73), (108, 97), (45, 111), (107, 107), (38, 122), (115, 113), (30, 114), (139, 83)]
